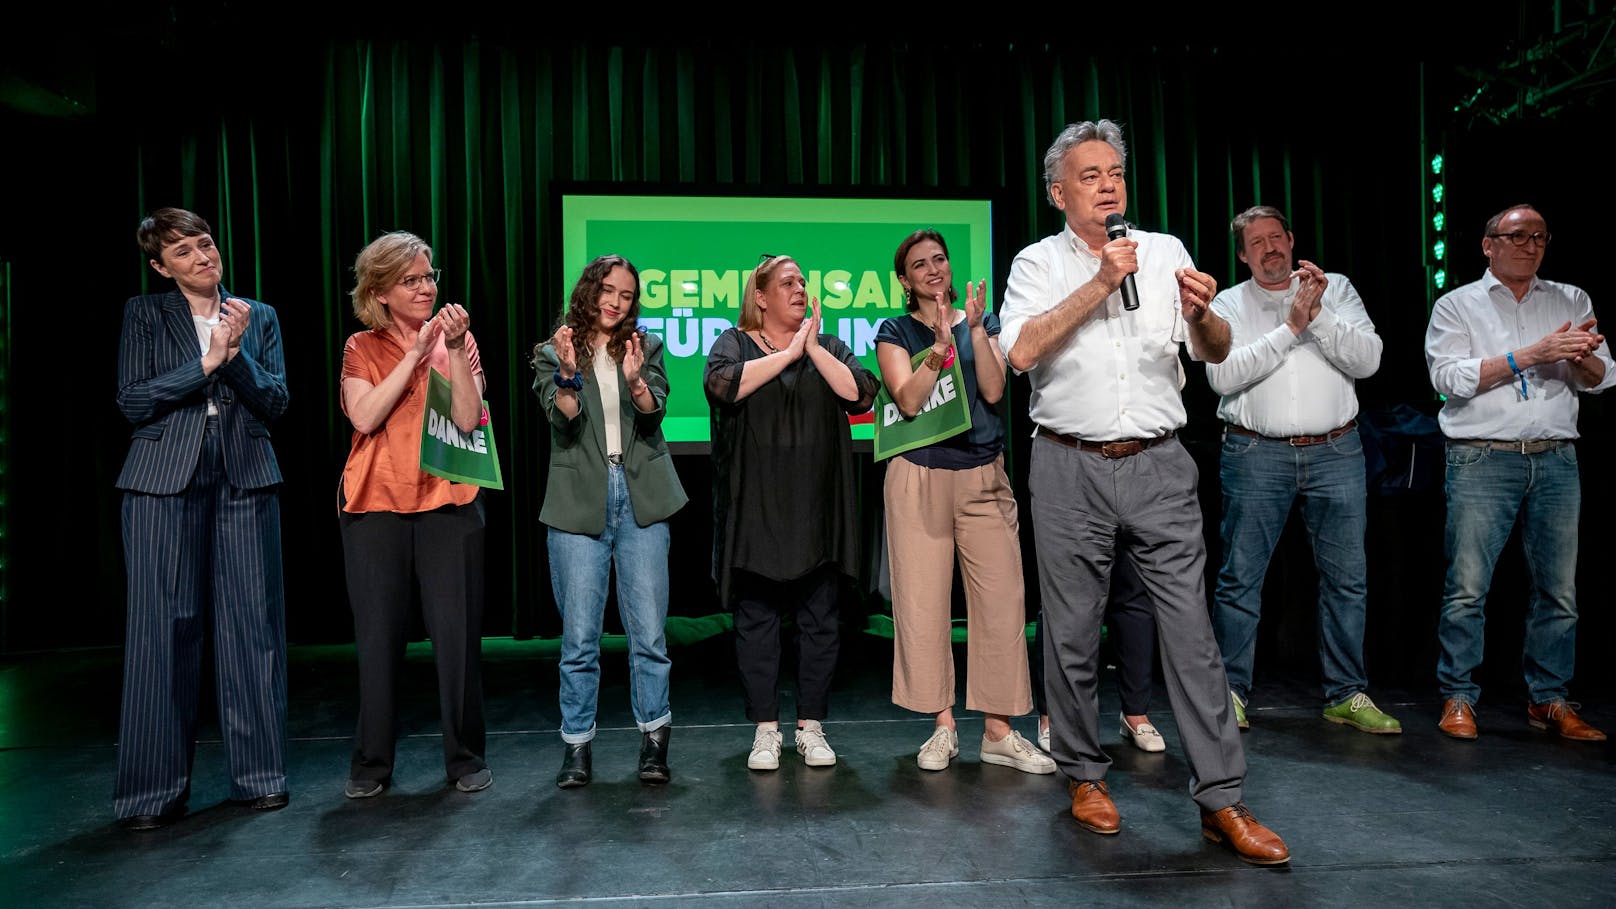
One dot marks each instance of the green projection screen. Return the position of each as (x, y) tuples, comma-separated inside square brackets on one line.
[(694, 254)]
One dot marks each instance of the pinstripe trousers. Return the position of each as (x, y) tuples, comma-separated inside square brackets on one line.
[(208, 555)]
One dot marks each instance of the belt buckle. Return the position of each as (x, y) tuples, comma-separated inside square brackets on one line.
[(1115, 450)]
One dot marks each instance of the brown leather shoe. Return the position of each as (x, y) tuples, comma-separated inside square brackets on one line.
[(1558, 716), (1250, 840), (1458, 720), (1092, 806)]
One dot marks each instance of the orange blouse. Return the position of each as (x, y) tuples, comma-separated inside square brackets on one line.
[(384, 472)]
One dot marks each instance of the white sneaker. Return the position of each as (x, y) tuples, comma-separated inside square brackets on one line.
[(1015, 751), (942, 747), (1146, 736), (812, 746), (1043, 739), (765, 749)]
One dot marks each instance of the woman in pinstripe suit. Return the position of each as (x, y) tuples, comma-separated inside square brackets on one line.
[(200, 375)]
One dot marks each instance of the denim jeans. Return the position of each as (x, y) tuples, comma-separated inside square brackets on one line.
[(1487, 489), (580, 568), (1261, 478)]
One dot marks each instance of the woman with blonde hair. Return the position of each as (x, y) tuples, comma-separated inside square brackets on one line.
[(404, 530), (784, 511)]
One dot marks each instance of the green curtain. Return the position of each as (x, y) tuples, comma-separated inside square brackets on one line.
[(464, 141)]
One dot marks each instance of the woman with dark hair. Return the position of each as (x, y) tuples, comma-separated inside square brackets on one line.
[(610, 492), (403, 529), (785, 526), (200, 377), (953, 495)]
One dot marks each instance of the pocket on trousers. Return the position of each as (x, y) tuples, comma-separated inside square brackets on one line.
[(1463, 456), (1235, 444)]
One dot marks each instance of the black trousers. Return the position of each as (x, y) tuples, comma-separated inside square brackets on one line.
[(813, 598), (1133, 642), (387, 556)]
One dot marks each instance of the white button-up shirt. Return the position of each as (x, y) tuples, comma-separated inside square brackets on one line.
[(1482, 320), (1278, 383), (1118, 375)]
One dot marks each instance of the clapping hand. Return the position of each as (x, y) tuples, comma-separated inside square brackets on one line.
[(566, 355), (633, 358), (976, 302), (455, 321)]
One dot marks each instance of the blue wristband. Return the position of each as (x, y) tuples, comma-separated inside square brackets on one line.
[(576, 383), (1510, 356)]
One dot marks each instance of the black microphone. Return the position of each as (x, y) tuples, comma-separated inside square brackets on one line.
[(1115, 228)]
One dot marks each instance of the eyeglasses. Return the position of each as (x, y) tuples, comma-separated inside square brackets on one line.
[(413, 282), (1521, 237)]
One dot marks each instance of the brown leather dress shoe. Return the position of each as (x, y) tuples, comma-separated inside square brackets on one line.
[(1092, 806), (1558, 716), (1458, 720), (1251, 841)]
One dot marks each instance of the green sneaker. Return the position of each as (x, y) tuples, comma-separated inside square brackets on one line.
[(1361, 714), (1239, 711)]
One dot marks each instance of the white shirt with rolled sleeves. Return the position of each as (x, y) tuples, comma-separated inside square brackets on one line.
[(1118, 375), (1278, 383), (1482, 320)]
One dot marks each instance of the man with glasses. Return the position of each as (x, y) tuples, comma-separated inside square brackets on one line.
[(1299, 338), (1110, 480), (1510, 352)]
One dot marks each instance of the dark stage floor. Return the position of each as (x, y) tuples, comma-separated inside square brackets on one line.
[(1516, 818)]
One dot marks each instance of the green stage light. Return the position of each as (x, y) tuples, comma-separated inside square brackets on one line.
[(1440, 279), (1438, 220), (1436, 164), (1440, 250), (1436, 194)]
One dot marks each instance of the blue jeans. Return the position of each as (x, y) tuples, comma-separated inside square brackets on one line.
[(1486, 491), (1261, 478), (580, 568)]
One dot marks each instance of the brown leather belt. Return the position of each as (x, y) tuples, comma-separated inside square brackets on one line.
[(1125, 448), (1295, 441), (1524, 446)]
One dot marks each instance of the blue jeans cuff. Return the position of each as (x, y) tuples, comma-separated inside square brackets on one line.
[(664, 720), (578, 738)]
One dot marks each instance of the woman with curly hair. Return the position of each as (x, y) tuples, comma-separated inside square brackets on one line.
[(610, 492)]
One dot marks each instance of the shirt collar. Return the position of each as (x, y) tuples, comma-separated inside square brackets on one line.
[(1075, 243), (1490, 281)]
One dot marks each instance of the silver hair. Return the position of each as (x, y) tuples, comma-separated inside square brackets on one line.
[(1074, 135)]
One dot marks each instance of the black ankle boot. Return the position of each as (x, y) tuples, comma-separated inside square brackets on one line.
[(575, 767), (654, 755)]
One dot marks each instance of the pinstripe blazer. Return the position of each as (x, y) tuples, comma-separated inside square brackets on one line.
[(164, 393)]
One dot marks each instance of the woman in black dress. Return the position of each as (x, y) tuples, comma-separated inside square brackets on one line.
[(784, 509)]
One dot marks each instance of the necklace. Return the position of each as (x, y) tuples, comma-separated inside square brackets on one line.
[(767, 343)]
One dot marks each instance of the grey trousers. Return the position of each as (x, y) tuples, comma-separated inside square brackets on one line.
[(1087, 511)]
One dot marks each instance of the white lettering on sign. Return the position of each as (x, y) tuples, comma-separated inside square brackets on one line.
[(442, 428)]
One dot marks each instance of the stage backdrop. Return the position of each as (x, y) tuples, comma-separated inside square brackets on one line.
[(301, 152)]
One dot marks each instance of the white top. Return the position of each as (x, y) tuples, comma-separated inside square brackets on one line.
[(1482, 320), (204, 337), (1118, 375), (1278, 383), (611, 408)]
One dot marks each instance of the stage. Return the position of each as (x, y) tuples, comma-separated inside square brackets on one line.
[(1514, 818)]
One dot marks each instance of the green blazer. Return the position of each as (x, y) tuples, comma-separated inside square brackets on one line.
[(575, 494)]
